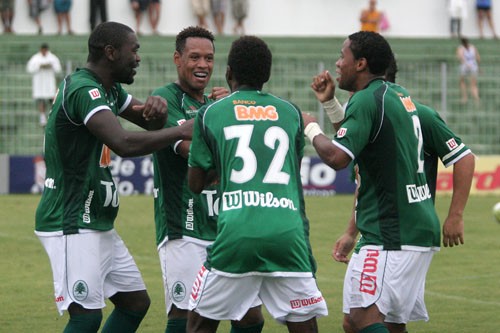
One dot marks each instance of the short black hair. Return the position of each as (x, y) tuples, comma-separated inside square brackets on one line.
[(107, 33), (44, 46), (390, 73), (196, 32), (250, 61), (374, 48)]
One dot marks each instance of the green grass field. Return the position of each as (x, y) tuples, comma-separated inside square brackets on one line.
[(462, 295)]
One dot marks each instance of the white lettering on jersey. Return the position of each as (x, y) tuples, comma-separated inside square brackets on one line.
[(88, 202), (190, 215), (50, 183), (94, 93), (236, 200), (417, 193)]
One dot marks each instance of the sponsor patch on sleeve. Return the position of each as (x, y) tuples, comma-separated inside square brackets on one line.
[(341, 132), (181, 121), (452, 144), (94, 93)]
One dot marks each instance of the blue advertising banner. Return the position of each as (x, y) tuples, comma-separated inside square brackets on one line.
[(135, 176)]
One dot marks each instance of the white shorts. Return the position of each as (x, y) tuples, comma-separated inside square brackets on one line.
[(392, 280), (180, 261), (89, 267), (287, 299)]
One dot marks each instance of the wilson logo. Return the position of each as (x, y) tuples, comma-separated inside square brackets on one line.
[(418, 193), (341, 132), (198, 283), (238, 199), (243, 112), (452, 144), (408, 104), (94, 94), (368, 281), (300, 303)]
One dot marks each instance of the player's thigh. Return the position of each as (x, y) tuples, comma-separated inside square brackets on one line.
[(293, 299), (123, 274), (223, 298), (179, 273)]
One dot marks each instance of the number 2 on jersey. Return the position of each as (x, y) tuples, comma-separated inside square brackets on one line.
[(275, 138)]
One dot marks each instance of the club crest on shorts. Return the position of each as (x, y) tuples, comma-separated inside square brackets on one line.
[(80, 290), (178, 291)]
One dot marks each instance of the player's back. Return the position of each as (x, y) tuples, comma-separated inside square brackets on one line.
[(258, 140)]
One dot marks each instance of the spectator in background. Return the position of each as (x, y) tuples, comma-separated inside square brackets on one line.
[(483, 8), (239, 9), (36, 8), (219, 14), (469, 59), (458, 12), (371, 17), (154, 10), (201, 8), (7, 9), (62, 8), (97, 7), (139, 7), (43, 66)]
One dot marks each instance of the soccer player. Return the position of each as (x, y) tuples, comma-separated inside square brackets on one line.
[(439, 143), (395, 213), (76, 214), (254, 141), (186, 222)]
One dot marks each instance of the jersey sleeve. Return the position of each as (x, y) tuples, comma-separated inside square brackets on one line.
[(356, 129), (439, 139), (84, 102), (200, 155)]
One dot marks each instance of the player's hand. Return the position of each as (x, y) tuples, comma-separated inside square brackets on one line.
[(154, 108), (308, 118), (453, 231), (343, 246), (218, 93), (323, 86)]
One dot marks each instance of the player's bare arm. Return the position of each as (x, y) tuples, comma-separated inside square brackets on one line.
[(105, 126), (453, 227), (150, 115), (333, 156)]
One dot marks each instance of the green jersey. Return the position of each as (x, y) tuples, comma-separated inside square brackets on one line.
[(439, 141), (79, 190), (383, 133), (255, 141), (178, 211)]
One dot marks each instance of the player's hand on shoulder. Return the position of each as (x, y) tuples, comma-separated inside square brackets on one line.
[(218, 93)]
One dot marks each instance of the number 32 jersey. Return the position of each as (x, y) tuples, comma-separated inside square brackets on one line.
[(255, 141)]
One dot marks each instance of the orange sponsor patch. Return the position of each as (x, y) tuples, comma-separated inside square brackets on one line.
[(105, 160), (408, 103), (243, 112)]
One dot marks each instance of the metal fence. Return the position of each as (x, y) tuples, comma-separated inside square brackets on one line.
[(432, 82)]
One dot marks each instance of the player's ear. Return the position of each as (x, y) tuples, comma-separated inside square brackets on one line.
[(177, 59), (229, 76), (361, 64)]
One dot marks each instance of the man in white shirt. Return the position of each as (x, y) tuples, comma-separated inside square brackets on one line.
[(43, 65)]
